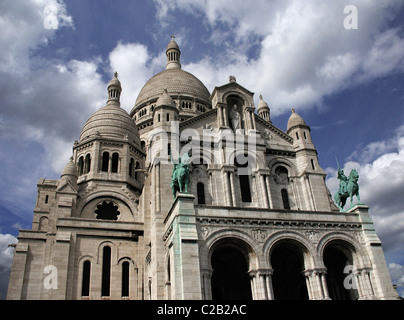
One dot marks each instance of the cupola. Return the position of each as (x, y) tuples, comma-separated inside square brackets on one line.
[(114, 90), (173, 54), (263, 110)]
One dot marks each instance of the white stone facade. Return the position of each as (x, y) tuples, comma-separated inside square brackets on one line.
[(258, 221)]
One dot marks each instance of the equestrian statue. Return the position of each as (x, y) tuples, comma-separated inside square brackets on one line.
[(180, 176), (348, 187)]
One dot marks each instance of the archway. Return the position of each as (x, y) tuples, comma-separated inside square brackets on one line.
[(288, 280), (230, 279), (341, 281)]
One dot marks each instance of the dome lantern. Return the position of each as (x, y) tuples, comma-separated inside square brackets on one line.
[(114, 90), (173, 54), (263, 110)]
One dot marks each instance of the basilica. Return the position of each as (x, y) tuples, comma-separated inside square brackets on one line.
[(195, 195)]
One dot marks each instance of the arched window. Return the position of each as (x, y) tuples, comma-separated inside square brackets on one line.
[(81, 166), (243, 176), (125, 279), (131, 167), (285, 199), (105, 161), (85, 282), (201, 192), (136, 168), (87, 164), (106, 272), (115, 161)]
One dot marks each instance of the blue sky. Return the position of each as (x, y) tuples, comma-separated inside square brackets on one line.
[(346, 83)]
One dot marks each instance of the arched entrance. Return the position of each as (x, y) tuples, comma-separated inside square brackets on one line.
[(341, 280), (288, 280), (230, 279)]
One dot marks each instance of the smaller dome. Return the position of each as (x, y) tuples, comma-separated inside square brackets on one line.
[(111, 121), (114, 81), (172, 44), (262, 104), (165, 100), (295, 120), (70, 169)]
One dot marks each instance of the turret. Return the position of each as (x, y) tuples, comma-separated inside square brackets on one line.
[(299, 131)]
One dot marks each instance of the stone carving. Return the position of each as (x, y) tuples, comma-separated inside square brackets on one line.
[(281, 175), (235, 118), (259, 234), (204, 232), (312, 235)]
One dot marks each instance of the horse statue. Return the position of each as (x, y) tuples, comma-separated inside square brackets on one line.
[(180, 176), (348, 187)]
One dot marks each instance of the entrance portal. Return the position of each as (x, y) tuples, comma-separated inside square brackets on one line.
[(230, 278), (288, 281), (336, 261)]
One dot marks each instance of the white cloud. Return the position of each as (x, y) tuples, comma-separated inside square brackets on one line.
[(6, 258), (306, 53), (132, 62), (397, 276), (6, 252)]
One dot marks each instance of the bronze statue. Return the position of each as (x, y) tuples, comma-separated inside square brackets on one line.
[(348, 187), (180, 176)]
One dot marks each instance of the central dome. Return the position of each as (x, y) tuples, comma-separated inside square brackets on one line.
[(177, 82)]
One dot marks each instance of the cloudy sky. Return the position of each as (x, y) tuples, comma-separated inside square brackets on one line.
[(343, 75)]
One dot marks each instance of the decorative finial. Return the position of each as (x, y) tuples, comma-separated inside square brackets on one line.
[(261, 98), (293, 110), (165, 90), (116, 74), (172, 37), (232, 79)]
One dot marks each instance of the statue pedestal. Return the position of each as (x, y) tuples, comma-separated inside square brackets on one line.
[(181, 240), (375, 253)]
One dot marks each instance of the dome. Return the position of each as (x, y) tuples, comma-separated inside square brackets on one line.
[(165, 100), (111, 121), (174, 80), (262, 104), (295, 120), (70, 169), (114, 81), (177, 82), (172, 44)]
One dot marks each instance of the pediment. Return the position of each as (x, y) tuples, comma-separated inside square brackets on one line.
[(66, 186), (271, 134)]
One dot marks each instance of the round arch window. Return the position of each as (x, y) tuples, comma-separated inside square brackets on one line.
[(107, 210)]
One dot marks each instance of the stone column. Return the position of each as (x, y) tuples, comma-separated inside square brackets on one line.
[(206, 283), (226, 187), (264, 190), (233, 190), (270, 290), (271, 205)]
